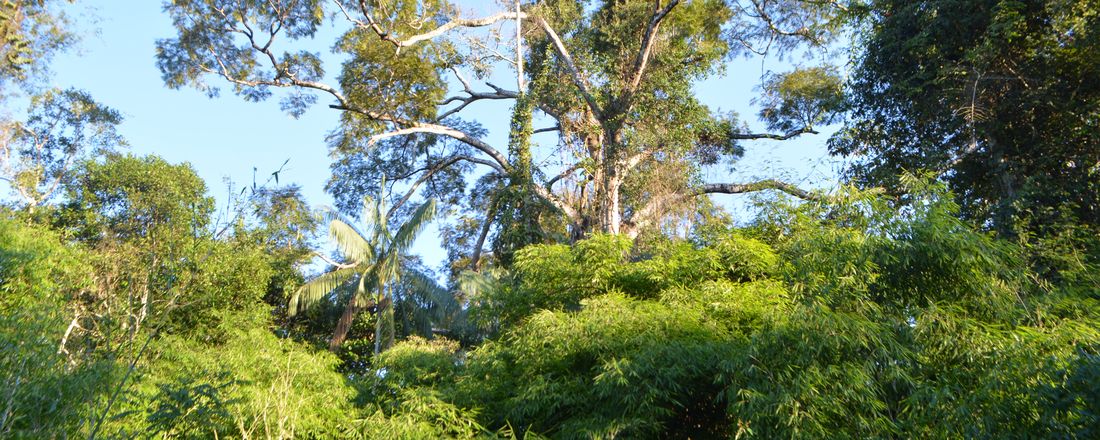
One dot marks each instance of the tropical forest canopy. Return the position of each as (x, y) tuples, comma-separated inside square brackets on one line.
[(595, 284)]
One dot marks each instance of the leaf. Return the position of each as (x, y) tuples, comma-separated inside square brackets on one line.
[(405, 236), (312, 292), (352, 244)]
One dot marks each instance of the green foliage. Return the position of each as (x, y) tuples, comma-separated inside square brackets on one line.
[(31, 31), (44, 392), (418, 362), (996, 96), (184, 409), (253, 384), (374, 269), (859, 320), (859, 316), (420, 414), (802, 99), (62, 128), (618, 367), (129, 197)]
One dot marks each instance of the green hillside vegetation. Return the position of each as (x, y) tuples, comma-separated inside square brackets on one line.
[(845, 318), (946, 287)]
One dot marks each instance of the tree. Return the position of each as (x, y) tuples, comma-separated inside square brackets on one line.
[(30, 32), (374, 265), (613, 78), (62, 128), (997, 97)]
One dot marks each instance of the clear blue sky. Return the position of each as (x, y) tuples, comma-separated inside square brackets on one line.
[(227, 137)]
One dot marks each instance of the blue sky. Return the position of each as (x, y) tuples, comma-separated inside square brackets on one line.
[(226, 137)]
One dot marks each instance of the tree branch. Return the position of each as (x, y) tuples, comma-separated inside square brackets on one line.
[(578, 77), (565, 173), (647, 46), (740, 188), (374, 26), (646, 215), (475, 259), (334, 263), (501, 164), (546, 129), (557, 202), (497, 93), (779, 137), (430, 172)]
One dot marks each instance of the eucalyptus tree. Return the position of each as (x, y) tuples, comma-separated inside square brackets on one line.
[(373, 265), (613, 80)]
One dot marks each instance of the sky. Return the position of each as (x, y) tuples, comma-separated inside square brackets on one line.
[(228, 138)]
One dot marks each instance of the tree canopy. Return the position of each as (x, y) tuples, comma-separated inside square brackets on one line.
[(612, 79), (993, 95)]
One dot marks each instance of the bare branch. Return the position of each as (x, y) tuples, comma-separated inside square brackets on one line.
[(546, 130), (647, 215), (578, 77), (519, 47), (647, 45), (374, 26), (336, 264), (802, 32), (475, 260), (778, 137), (549, 196), (740, 188), (565, 173), (461, 22), (498, 93), (636, 159), (430, 171), (501, 164)]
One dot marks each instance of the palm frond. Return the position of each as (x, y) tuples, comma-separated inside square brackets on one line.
[(381, 221), (475, 284), (351, 243), (440, 301), (311, 292), (366, 282), (367, 217), (405, 235)]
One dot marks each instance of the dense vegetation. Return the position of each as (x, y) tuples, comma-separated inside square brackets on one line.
[(950, 289)]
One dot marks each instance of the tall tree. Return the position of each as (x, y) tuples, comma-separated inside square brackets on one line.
[(613, 78), (62, 128), (373, 263), (998, 97)]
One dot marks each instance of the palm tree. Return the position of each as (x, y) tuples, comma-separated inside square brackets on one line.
[(373, 263)]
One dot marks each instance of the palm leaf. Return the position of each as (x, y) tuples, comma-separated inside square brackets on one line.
[(368, 217), (312, 292), (440, 301), (475, 285), (381, 221), (405, 235), (351, 243)]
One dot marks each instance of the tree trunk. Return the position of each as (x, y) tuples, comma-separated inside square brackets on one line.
[(609, 215), (382, 305), (343, 325), (389, 331)]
